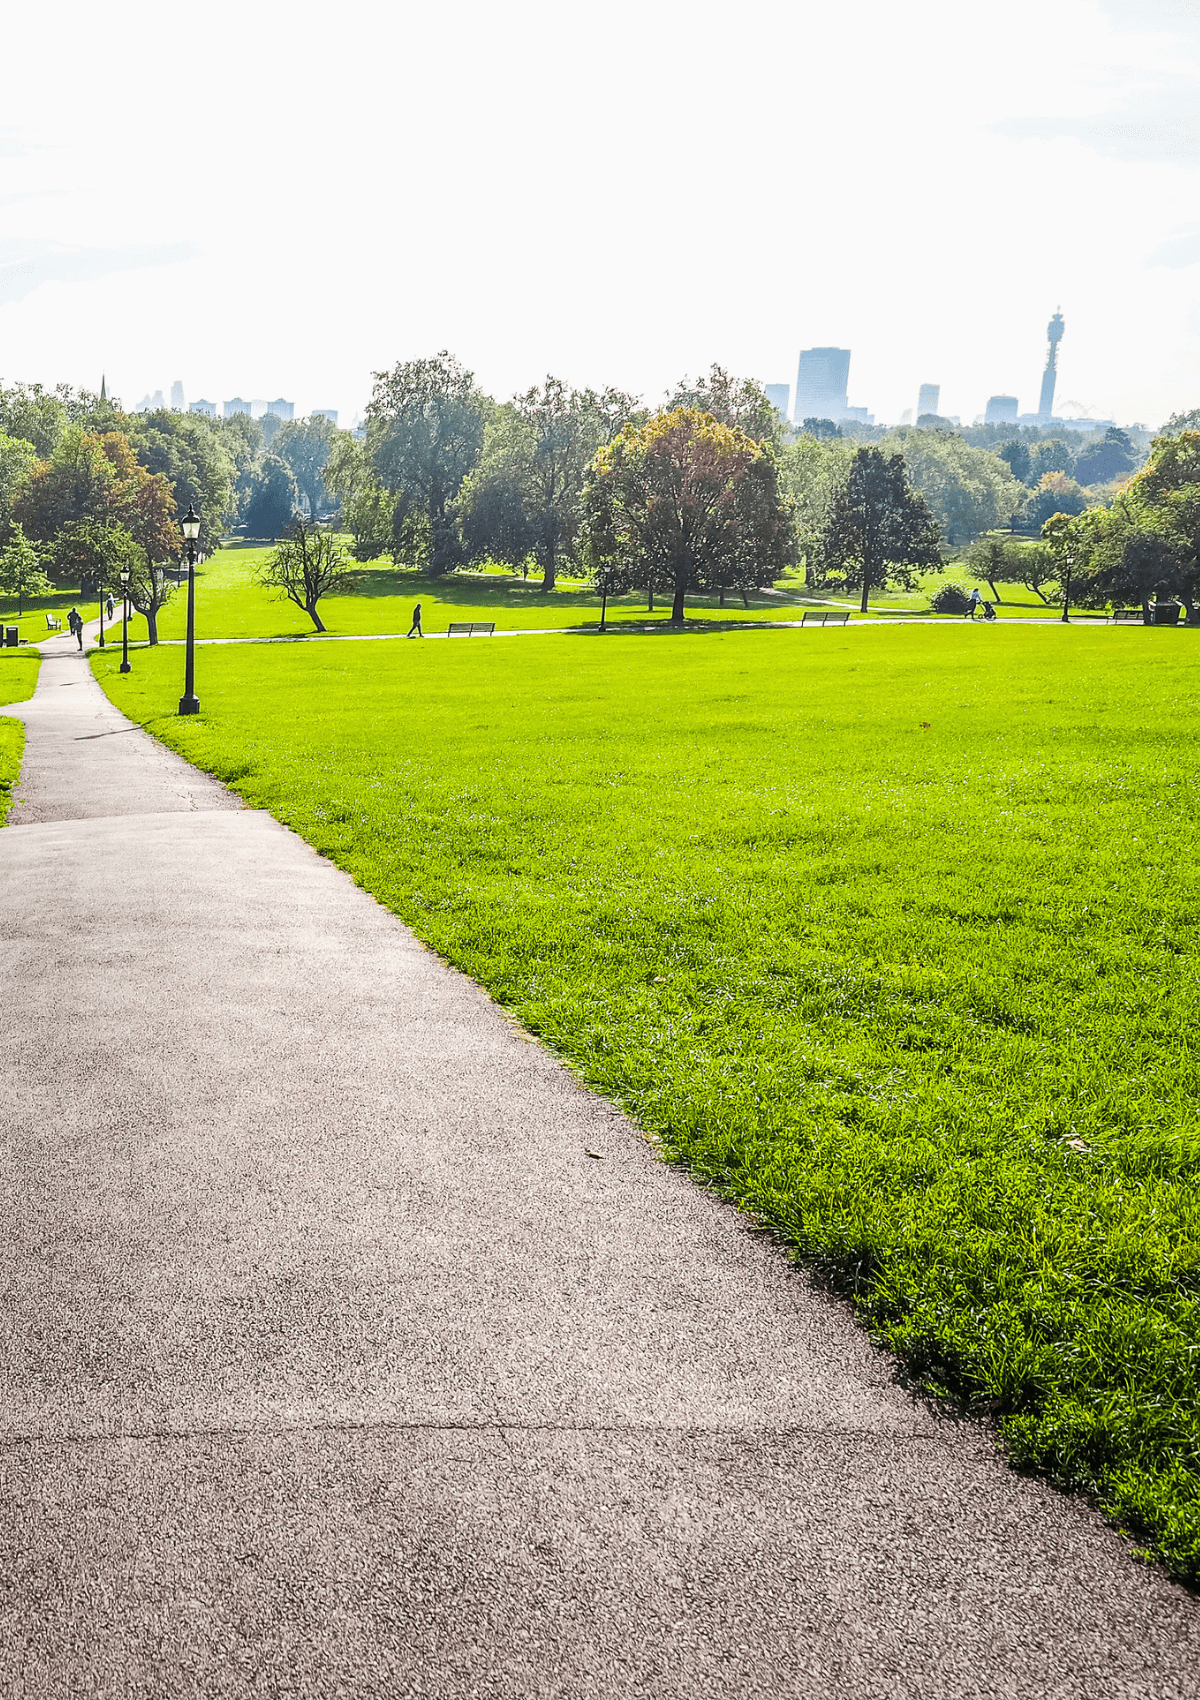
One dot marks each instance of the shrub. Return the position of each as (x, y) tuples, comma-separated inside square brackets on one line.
[(950, 599)]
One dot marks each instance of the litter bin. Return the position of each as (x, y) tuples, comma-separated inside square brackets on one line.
[(12, 636), (1166, 613)]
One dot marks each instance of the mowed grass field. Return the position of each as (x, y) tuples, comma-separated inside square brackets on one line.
[(886, 933), (231, 604), (18, 676)]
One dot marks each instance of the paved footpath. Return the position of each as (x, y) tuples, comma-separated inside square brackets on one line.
[(332, 1363)]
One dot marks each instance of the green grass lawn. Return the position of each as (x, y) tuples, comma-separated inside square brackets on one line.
[(888, 934), (230, 604), (18, 676)]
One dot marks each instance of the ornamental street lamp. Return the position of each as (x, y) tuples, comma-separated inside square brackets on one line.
[(125, 620), (189, 702), (101, 593), (1066, 613)]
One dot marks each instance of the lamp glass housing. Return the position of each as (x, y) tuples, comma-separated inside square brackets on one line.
[(124, 575), (190, 524)]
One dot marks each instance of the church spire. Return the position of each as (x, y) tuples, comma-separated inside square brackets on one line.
[(103, 391)]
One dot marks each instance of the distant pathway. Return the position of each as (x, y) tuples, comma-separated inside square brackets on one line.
[(618, 626), (350, 1347)]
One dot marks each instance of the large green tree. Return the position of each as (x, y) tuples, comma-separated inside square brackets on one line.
[(21, 573), (525, 498), (274, 499), (690, 500), (17, 460), (95, 553), (193, 454), (425, 423), (878, 530), (73, 484), (305, 444)]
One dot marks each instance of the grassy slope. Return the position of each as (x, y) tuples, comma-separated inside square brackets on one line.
[(18, 676), (887, 934)]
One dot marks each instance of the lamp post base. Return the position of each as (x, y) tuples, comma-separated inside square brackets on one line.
[(189, 705), (124, 668)]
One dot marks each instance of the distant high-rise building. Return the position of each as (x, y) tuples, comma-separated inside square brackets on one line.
[(177, 396), (237, 405), (927, 398), (777, 395), (282, 409), (1054, 335), (207, 408), (906, 416), (822, 380), (860, 415), (329, 413), (1000, 410)]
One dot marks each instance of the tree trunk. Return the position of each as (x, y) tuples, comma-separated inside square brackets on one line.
[(603, 609), (680, 595), (992, 588), (650, 596), (152, 625), (721, 594), (866, 592), (745, 600), (548, 573), (311, 611)]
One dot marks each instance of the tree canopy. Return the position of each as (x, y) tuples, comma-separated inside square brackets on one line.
[(967, 490), (525, 497), (305, 445), (425, 424), (877, 530), (274, 499), (690, 500)]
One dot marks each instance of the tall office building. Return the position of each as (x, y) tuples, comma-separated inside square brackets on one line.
[(207, 408), (1054, 335), (927, 398), (1000, 410), (822, 380), (777, 395), (177, 396), (329, 413), (282, 409), (237, 405)]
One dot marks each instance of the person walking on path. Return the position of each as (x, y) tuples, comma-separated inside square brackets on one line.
[(76, 625), (974, 603), (109, 605), (416, 622)]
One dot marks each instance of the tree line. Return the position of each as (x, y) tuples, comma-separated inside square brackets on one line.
[(712, 491)]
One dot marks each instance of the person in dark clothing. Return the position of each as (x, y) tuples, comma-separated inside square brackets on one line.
[(416, 622), (76, 625), (109, 605)]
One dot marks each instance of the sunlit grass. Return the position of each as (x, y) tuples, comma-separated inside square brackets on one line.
[(18, 676), (887, 933)]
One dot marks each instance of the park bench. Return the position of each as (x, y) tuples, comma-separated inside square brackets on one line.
[(468, 628), (824, 617), (53, 625), (1127, 617)]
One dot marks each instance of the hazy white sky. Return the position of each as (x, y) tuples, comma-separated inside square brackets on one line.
[(276, 199)]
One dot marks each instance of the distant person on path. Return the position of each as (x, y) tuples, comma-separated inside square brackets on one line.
[(76, 625), (109, 605), (976, 599), (416, 625)]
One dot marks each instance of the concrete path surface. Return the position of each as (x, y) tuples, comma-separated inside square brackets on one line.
[(334, 1363)]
